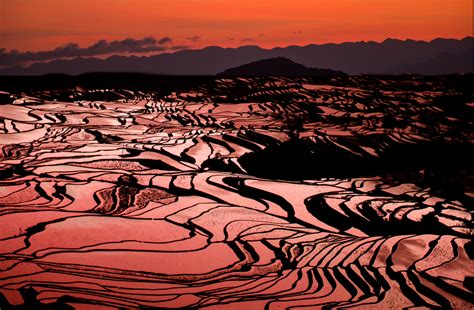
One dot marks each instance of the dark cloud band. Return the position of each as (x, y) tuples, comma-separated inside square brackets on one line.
[(102, 47)]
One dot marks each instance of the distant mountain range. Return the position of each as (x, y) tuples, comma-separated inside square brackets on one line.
[(279, 66), (439, 56)]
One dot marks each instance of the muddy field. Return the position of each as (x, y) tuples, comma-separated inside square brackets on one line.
[(237, 193)]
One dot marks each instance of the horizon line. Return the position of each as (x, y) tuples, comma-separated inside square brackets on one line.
[(234, 48)]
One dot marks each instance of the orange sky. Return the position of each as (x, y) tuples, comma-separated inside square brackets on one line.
[(44, 24)]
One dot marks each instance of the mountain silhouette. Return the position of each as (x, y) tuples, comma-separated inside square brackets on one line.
[(388, 57), (443, 63), (279, 66)]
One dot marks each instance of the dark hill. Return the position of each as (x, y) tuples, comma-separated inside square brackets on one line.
[(279, 66)]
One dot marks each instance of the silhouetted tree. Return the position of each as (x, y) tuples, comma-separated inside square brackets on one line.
[(294, 124)]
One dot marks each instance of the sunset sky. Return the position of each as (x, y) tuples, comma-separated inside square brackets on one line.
[(34, 25)]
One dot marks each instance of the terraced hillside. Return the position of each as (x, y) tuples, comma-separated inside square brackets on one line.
[(237, 193)]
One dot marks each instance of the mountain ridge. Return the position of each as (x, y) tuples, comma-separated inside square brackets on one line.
[(392, 56)]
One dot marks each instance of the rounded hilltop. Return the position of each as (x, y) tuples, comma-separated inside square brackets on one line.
[(278, 66)]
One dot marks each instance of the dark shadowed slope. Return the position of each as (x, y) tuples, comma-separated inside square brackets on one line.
[(388, 57), (444, 63), (279, 66)]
